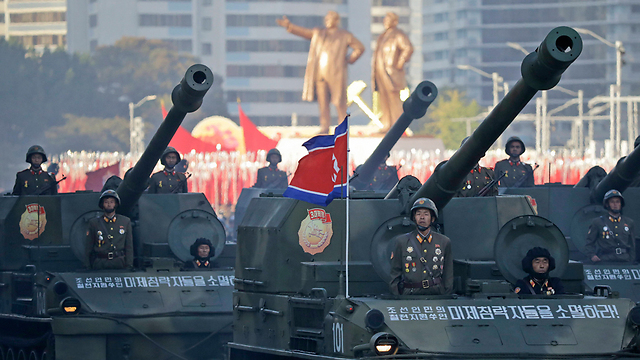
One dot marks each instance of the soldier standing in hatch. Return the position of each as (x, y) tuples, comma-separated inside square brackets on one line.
[(109, 240), (517, 173), (384, 178), (476, 180), (269, 177), (35, 181), (611, 237), (168, 181), (421, 262)]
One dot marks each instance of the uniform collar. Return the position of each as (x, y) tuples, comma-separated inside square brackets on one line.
[(516, 163), (615, 218), (422, 238), (108, 220), (167, 171), (34, 171)]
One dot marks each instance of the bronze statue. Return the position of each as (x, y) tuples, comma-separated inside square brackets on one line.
[(393, 50), (326, 75)]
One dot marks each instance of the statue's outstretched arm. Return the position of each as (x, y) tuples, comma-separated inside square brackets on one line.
[(295, 29)]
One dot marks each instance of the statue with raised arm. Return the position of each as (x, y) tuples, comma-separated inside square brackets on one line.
[(325, 78), (393, 51)]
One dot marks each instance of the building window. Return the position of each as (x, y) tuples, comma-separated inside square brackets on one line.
[(206, 48), (2, 18), (268, 45), (265, 96), (461, 33), (441, 36), (287, 71), (49, 16), (93, 20), (207, 2), (184, 45), (270, 20), (441, 17), (164, 20), (206, 24)]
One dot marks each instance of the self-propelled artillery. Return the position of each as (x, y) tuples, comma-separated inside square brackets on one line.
[(52, 307), (304, 292)]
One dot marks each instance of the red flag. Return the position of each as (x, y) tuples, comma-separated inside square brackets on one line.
[(254, 140), (321, 175), (96, 179), (184, 142)]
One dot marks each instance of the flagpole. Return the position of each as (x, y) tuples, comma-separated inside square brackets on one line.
[(347, 210)]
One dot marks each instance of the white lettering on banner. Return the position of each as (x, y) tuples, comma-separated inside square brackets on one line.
[(509, 312), (612, 274), (99, 282)]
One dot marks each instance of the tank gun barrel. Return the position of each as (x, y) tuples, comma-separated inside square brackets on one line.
[(414, 107), (186, 97), (620, 177), (541, 70)]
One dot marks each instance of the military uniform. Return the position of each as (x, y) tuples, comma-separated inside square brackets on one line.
[(612, 239), (109, 243), (32, 182), (165, 182), (385, 178), (271, 178), (475, 181), (514, 171), (550, 286), (422, 265)]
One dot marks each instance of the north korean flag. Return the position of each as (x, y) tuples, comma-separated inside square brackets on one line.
[(321, 175)]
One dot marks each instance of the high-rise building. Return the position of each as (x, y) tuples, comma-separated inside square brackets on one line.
[(477, 33), (35, 24), (193, 26)]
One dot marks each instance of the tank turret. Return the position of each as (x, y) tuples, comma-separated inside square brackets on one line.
[(414, 107), (541, 70), (186, 97), (620, 177)]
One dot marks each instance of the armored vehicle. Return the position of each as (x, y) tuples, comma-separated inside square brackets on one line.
[(310, 285), (572, 208), (52, 308)]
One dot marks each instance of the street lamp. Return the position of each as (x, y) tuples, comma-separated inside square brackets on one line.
[(135, 127), (617, 45)]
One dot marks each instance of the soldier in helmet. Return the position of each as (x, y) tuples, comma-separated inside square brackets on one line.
[(517, 173), (109, 240), (202, 250), (384, 178), (421, 262), (269, 177), (476, 180), (168, 181), (35, 181), (538, 263), (611, 237)]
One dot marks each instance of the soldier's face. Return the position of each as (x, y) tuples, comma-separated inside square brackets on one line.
[(109, 204), (423, 217), (203, 251), (515, 149), (540, 265), (273, 159), (615, 205), (36, 160), (171, 159)]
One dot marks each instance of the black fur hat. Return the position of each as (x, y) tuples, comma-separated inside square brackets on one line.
[(202, 241), (537, 252)]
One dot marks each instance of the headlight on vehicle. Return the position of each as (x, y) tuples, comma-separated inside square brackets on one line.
[(384, 344), (634, 315), (70, 305)]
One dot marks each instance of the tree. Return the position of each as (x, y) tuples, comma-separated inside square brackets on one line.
[(92, 134), (452, 104)]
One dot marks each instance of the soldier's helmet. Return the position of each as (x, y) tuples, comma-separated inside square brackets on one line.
[(274, 151), (36, 149), (611, 194), (464, 140), (636, 143), (424, 203), (512, 139), (109, 193), (537, 252), (168, 151)]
